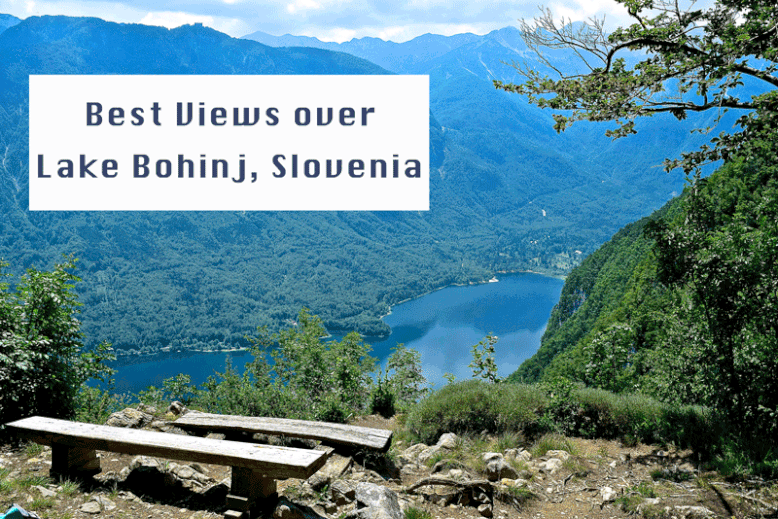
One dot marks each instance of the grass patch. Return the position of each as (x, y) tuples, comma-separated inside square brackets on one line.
[(517, 496), (42, 503), (635, 496), (552, 442), (629, 503), (33, 450), (645, 489), (576, 467), (510, 440), (417, 513), (70, 487), (28, 482), (5, 484)]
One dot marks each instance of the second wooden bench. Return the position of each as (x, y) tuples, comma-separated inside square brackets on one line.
[(332, 433)]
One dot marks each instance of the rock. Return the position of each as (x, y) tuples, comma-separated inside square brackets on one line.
[(518, 454), (688, 512), (92, 507), (129, 418), (457, 474), (177, 408), (608, 494), (498, 468), (648, 503), (562, 455), (98, 504), (45, 492), (341, 492), (149, 476), (145, 461), (447, 441), (443, 496), (190, 478), (335, 467), (550, 466), (485, 510), (513, 482), (428, 453), (148, 409), (687, 467), (377, 502), (613, 464), (409, 468), (490, 456), (413, 451), (160, 426), (287, 510)]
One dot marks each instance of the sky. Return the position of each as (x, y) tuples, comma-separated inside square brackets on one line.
[(328, 20)]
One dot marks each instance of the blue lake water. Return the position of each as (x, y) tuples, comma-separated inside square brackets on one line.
[(442, 326)]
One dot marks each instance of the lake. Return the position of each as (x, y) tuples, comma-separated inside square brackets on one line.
[(442, 326)]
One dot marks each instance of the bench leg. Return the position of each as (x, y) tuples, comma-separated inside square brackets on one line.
[(250, 492), (75, 461)]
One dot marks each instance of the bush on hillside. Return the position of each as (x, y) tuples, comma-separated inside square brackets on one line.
[(474, 406), (42, 362)]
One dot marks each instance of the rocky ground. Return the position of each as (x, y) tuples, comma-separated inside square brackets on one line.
[(456, 478)]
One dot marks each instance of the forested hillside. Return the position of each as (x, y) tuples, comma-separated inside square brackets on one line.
[(597, 294), (683, 305)]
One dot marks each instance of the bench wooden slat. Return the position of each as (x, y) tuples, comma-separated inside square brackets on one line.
[(275, 462), (328, 432)]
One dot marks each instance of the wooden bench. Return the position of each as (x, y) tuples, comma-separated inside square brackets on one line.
[(255, 468), (331, 433)]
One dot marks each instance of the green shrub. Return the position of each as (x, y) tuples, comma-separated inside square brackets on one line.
[(42, 362), (333, 410), (475, 406), (382, 399), (93, 405)]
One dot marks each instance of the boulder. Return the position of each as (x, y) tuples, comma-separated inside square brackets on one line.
[(177, 408), (148, 409), (562, 455), (608, 494), (518, 454), (447, 441), (98, 504), (288, 510), (129, 418), (688, 512), (377, 502), (342, 492), (335, 467), (497, 468), (550, 466), (485, 510)]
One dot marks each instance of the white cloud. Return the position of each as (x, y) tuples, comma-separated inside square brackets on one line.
[(583, 10), (331, 20), (170, 20), (300, 6)]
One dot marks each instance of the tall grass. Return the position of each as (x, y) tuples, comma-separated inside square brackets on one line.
[(474, 406)]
